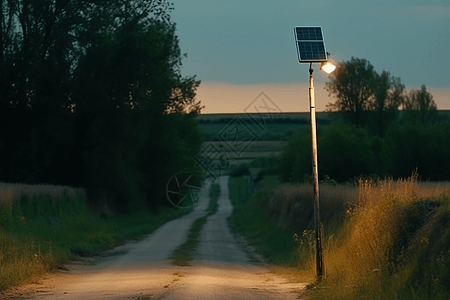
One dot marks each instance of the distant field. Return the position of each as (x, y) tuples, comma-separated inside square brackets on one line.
[(261, 135), (213, 132), (216, 127), (288, 115), (236, 153), (243, 138), (267, 127)]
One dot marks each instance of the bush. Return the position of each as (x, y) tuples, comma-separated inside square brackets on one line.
[(241, 170), (295, 160), (425, 147), (345, 151)]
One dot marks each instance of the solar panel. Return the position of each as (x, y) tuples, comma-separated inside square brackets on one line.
[(310, 44)]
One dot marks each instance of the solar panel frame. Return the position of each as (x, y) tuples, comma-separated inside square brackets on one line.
[(310, 44)]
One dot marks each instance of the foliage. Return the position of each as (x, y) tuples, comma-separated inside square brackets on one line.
[(420, 106), (295, 161), (388, 96), (360, 90), (384, 239), (240, 170), (352, 84), (85, 88), (346, 151), (393, 244), (252, 220), (42, 232), (421, 146)]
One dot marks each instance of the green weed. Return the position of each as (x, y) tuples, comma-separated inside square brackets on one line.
[(183, 255), (40, 232)]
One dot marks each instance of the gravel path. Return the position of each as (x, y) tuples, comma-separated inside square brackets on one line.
[(222, 269)]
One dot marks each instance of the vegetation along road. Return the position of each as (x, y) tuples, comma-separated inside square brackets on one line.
[(222, 267)]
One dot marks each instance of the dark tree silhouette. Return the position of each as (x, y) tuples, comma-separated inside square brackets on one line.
[(420, 106), (352, 85), (367, 97), (85, 86), (388, 97)]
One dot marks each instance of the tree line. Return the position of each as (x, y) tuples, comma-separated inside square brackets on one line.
[(91, 95), (386, 131), (369, 98)]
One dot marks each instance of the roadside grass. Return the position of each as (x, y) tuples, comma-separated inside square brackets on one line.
[(183, 255), (41, 232), (395, 244), (253, 221), (383, 239), (214, 194), (31, 190)]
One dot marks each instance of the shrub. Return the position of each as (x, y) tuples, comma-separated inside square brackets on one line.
[(241, 170)]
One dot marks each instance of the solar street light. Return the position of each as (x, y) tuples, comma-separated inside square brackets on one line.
[(311, 49)]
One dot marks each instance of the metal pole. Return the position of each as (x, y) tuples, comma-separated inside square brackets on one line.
[(317, 225)]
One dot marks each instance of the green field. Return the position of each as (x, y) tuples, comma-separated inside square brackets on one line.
[(235, 153), (261, 127), (270, 127)]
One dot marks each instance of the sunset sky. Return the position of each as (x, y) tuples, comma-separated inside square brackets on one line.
[(239, 49)]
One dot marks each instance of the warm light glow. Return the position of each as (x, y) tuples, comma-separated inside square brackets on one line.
[(327, 67)]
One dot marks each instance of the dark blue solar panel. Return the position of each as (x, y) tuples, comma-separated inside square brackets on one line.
[(310, 44), (312, 50), (309, 33)]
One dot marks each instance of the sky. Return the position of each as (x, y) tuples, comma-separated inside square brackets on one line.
[(239, 49)]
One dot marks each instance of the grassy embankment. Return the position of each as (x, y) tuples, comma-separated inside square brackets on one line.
[(183, 255), (42, 227), (384, 240)]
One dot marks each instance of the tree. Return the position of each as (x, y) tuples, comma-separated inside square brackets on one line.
[(420, 106), (346, 151), (364, 94), (84, 87), (420, 146), (352, 85), (388, 96)]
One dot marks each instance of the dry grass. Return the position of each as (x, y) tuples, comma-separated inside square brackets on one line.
[(20, 256), (376, 241), (374, 234), (45, 231), (11, 192), (293, 204), (19, 261)]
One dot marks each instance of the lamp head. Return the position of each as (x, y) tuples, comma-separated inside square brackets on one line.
[(327, 67)]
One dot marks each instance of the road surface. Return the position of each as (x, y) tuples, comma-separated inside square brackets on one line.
[(222, 267)]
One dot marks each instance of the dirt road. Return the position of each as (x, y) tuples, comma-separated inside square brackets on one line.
[(222, 268)]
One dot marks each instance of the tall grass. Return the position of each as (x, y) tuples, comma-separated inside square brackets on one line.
[(42, 228), (37, 233), (380, 249), (14, 191), (252, 220), (384, 239), (293, 205)]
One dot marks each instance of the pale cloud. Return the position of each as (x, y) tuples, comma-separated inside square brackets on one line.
[(429, 11)]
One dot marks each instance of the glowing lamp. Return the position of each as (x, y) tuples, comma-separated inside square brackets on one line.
[(327, 67)]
